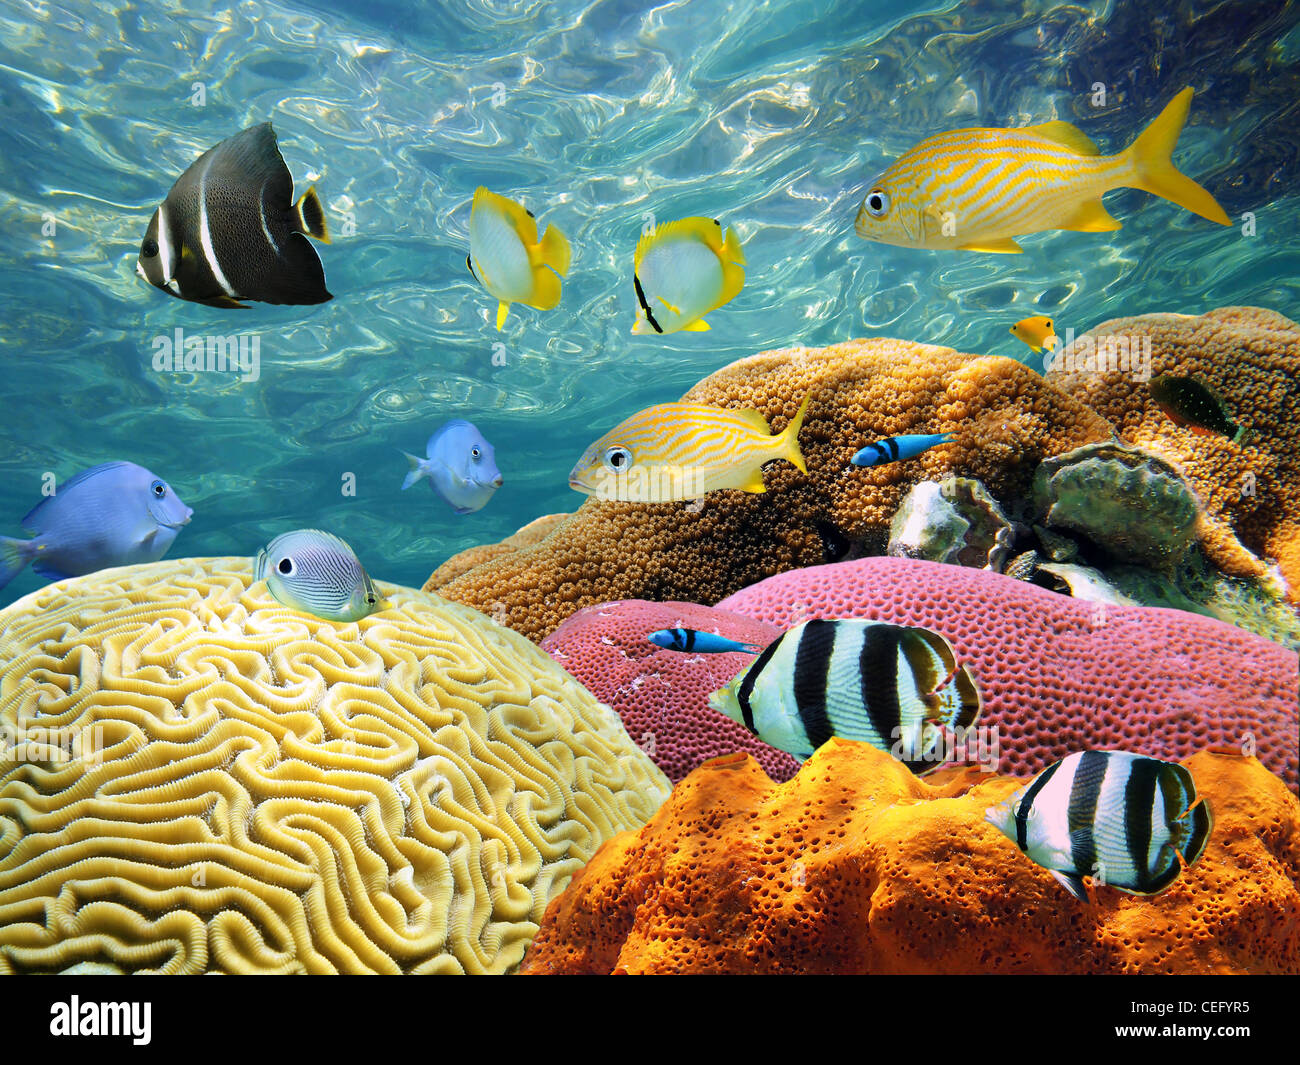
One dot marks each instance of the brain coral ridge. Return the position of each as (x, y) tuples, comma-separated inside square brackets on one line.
[(1251, 358), (1006, 419), (198, 779), (1059, 674), (857, 866)]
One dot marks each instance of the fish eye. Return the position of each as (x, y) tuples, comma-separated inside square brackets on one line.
[(476, 453), (877, 203), (617, 458), (158, 488), (285, 566), (149, 248), (1049, 323)]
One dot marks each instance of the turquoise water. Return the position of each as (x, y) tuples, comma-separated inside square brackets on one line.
[(772, 117)]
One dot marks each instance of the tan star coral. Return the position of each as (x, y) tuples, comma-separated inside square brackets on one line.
[(1005, 417), (1251, 357), (198, 779)]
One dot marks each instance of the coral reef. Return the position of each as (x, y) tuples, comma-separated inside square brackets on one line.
[(1250, 357), (1006, 419), (197, 779), (954, 520), (534, 532), (661, 695), (1060, 674), (1130, 503), (856, 866)]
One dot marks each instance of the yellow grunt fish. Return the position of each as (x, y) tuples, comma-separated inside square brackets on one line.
[(678, 451), (508, 260), (975, 189)]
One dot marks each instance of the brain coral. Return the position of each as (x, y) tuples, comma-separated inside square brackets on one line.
[(857, 866), (661, 695), (198, 779), (1061, 674), (1006, 419), (1251, 357)]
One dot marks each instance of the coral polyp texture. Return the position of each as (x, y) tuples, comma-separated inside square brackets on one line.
[(1059, 674), (662, 695), (857, 866), (1251, 358), (1006, 419), (198, 779)]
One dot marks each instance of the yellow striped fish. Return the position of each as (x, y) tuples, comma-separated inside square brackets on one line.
[(975, 189), (678, 451)]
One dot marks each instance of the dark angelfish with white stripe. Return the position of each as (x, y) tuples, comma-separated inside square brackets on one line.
[(1120, 819), (229, 230), (319, 574), (896, 687), (708, 643)]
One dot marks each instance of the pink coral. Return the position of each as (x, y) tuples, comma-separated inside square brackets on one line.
[(1059, 674), (661, 695)]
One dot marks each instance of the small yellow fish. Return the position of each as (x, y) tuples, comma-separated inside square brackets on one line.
[(1036, 332), (682, 271), (678, 451), (975, 189), (508, 260)]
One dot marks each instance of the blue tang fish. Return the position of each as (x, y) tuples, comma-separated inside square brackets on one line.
[(319, 574), (704, 642), (461, 467), (896, 448), (117, 514)]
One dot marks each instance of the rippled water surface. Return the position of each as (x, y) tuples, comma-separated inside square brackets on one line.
[(772, 117)]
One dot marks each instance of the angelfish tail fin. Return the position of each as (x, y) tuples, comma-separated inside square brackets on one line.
[(309, 213), (1153, 167), (14, 555)]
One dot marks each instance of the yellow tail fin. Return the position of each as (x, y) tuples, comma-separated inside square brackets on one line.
[(310, 215), (790, 437), (555, 250), (1154, 171)]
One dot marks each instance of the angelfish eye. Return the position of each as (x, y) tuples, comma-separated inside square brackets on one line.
[(149, 248), (285, 566), (158, 488), (617, 458), (877, 203)]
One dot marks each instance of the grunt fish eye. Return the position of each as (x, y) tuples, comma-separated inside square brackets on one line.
[(285, 566), (877, 203), (617, 458), (158, 488), (149, 248)]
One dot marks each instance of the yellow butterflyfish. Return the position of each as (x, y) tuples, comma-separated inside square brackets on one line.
[(976, 189), (508, 260), (682, 271)]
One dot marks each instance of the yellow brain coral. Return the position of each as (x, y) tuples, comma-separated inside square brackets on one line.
[(1251, 357), (197, 779), (1005, 417)]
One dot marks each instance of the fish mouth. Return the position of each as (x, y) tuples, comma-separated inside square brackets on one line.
[(189, 513)]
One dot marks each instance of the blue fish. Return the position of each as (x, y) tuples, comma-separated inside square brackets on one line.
[(704, 642), (461, 467), (896, 448), (117, 514)]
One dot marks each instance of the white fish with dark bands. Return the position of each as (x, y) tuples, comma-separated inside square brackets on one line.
[(228, 230), (893, 686), (317, 573), (114, 514), (1124, 820)]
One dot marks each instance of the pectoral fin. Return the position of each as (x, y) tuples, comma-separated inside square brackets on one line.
[(697, 326), (1072, 884)]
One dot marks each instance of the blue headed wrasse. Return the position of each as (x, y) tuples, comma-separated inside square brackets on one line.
[(976, 189), (708, 643), (897, 448)]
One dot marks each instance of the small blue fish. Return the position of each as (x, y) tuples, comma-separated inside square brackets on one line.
[(319, 574), (897, 448), (116, 514), (461, 467), (704, 642)]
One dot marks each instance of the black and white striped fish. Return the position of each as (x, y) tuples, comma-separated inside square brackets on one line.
[(229, 230), (317, 573), (1122, 819), (893, 686)]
